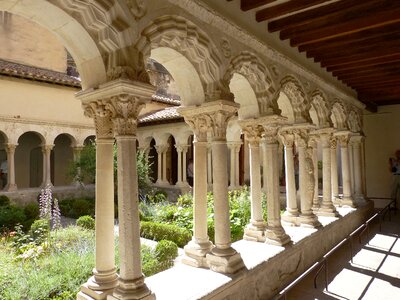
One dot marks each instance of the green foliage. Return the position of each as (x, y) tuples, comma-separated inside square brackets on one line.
[(156, 196), (68, 263), (84, 169), (185, 200), (10, 216), (4, 200), (158, 232), (75, 208), (31, 211), (40, 230), (86, 222)]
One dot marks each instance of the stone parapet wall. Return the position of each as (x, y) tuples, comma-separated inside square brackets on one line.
[(25, 196)]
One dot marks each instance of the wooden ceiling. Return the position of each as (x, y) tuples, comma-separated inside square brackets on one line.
[(358, 41)]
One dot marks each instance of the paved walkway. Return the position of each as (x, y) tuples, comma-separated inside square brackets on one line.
[(373, 273)]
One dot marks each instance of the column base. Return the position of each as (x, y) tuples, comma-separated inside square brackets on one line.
[(309, 220), (348, 201), (290, 217), (255, 232), (11, 188), (335, 200), (87, 293), (195, 254), (226, 261), (327, 211), (132, 290), (276, 236)]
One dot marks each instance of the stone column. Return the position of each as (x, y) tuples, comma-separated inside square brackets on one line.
[(292, 212), (351, 164), (105, 277), (161, 176), (334, 172), (358, 192), (327, 208), (344, 151), (123, 99), (125, 108), (179, 152), (185, 149), (209, 169), (231, 148), (223, 258), (274, 234), (306, 180), (255, 231), (46, 149), (197, 249), (313, 144), (164, 166), (11, 185), (237, 165)]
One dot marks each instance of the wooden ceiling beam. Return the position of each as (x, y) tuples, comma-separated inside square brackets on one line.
[(389, 67), (389, 86), (286, 8), (389, 41), (360, 36), (387, 102), (365, 64), (357, 58), (380, 18), (358, 11), (317, 14), (246, 5), (369, 74)]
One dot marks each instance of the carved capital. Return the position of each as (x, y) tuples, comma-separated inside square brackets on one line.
[(161, 148), (252, 131), (333, 143), (212, 116), (343, 140), (10, 148), (102, 118), (124, 110), (46, 149)]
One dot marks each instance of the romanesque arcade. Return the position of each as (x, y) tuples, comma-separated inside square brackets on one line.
[(237, 96)]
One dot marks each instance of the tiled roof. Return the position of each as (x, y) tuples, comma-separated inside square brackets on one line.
[(166, 114), (28, 72), (167, 100)]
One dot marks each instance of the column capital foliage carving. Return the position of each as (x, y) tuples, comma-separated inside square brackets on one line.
[(209, 117), (181, 148), (116, 104), (161, 148), (252, 130), (11, 147), (333, 143)]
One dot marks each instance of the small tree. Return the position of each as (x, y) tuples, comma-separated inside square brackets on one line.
[(85, 168)]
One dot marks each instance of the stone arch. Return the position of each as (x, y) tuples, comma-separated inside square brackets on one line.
[(251, 83), (188, 54), (70, 32), (354, 121), (61, 156), (338, 115), (29, 160), (321, 106), (3, 137), (294, 91)]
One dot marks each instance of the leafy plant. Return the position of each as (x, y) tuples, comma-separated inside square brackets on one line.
[(86, 222), (158, 232), (4, 200)]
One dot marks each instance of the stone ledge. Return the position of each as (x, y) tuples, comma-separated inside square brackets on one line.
[(268, 269)]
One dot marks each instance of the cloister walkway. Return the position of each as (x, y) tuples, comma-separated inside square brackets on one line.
[(373, 273)]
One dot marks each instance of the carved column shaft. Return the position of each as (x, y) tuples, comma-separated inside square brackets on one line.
[(46, 149), (256, 229), (346, 175), (327, 208), (274, 233), (334, 172), (291, 203), (357, 166)]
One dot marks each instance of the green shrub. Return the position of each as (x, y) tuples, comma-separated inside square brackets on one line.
[(185, 200), (40, 230), (158, 232), (4, 200), (86, 222), (10, 216), (31, 212), (75, 208), (166, 252)]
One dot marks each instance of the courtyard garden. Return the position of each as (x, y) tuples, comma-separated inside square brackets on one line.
[(40, 259)]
